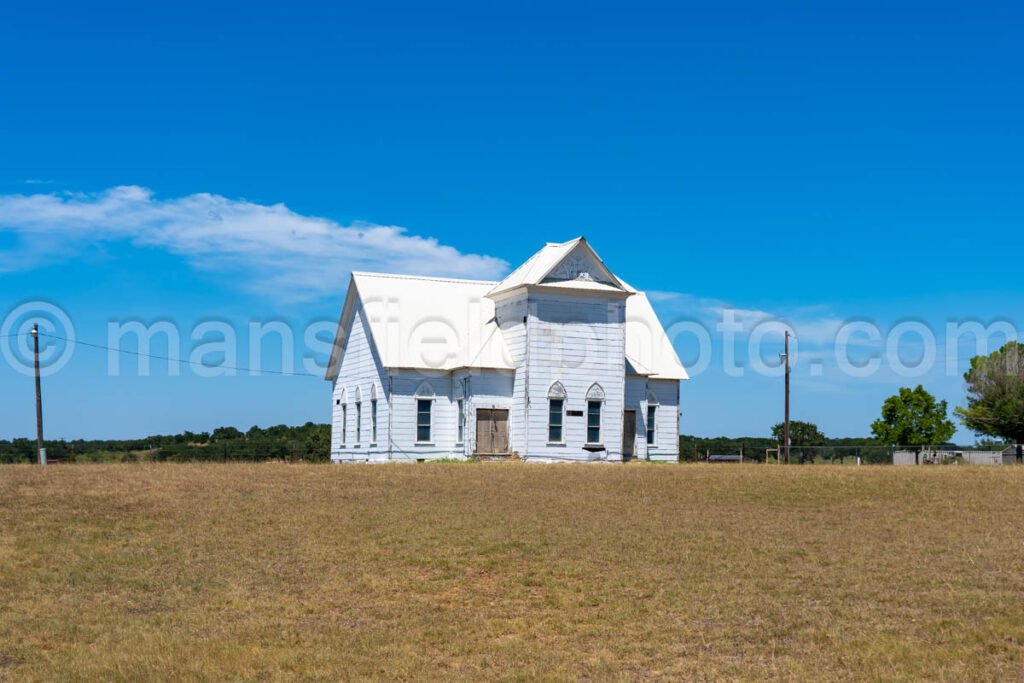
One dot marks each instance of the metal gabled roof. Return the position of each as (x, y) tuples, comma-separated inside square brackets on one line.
[(447, 323), (648, 347), (424, 322)]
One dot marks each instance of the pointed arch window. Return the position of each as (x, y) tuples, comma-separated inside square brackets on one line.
[(359, 416), (595, 405), (424, 413), (556, 413), (344, 416), (460, 415), (652, 416), (373, 415)]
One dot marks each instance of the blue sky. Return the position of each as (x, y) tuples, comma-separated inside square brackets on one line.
[(815, 164)]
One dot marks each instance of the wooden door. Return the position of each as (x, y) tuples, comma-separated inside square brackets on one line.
[(499, 433), (491, 431), (628, 434), (483, 430)]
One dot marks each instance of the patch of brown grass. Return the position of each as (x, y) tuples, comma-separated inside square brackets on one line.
[(510, 572)]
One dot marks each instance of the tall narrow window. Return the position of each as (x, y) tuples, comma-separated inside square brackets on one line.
[(344, 423), (555, 410), (556, 413), (359, 423), (423, 407), (462, 421), (593, 421), (595, 397), (373, 420), (651, 410)]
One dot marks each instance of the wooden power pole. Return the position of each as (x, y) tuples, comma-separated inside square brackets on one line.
[(39, 398), (786, 356)]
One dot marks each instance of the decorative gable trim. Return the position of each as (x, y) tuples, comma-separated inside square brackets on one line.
[(557, 391), (574, 267), (570, 261)]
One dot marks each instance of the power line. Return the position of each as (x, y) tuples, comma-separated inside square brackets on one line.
[(169, 359), (939, 360)]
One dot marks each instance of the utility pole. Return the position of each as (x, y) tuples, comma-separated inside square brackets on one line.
[(785, 355), (39, 397)]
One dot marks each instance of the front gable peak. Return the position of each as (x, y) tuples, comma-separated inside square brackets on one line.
[(566, 265)]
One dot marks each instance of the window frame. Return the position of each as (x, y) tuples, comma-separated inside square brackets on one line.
[(430, 421), (651, 424), (600, 416), (373, 422), (561, 421), (344, 423), (460, 426), (358, 423)]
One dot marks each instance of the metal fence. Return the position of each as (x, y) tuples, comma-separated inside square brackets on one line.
[(896, 455), (947, 455)]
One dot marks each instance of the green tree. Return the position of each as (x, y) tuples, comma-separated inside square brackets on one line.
[(913, 418), (995, 394), (803, 437), (318, 441), (226, 434)]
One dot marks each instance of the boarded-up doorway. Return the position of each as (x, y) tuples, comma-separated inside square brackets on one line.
[(491, 431), (628, 434)]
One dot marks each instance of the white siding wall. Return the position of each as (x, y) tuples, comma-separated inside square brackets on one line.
[(666, 423), (578, 341), (404, 387), (359, 367), (510, 314), (485, 389), (636, 399)]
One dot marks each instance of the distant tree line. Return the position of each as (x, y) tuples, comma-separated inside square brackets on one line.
[(310, 442), (807, 445)]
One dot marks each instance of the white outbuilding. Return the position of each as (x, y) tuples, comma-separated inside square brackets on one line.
[(561, 360)]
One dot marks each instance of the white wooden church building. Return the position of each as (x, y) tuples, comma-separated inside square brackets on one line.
[(561, 360)]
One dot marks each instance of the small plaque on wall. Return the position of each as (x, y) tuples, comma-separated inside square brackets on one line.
[(574, 413)]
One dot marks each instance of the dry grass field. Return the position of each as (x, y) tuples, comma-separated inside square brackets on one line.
[(511, 572)]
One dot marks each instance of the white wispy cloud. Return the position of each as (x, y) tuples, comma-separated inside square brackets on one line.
[(270, 248)]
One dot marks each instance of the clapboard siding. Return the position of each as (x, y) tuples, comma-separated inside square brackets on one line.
[(359, 368), (404, 387), (577, 341), (484, 389), (636, 399), (511, 315), (666, 422)]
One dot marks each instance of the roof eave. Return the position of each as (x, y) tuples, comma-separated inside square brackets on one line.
[(672, 378), (454, 368), (351, 295), (548, 289)]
